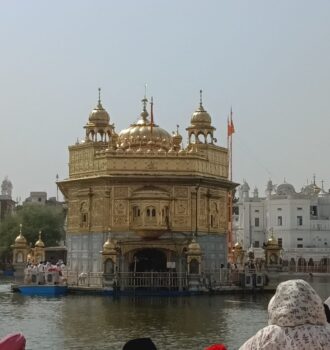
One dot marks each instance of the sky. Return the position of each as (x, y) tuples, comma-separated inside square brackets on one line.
[(267, 59)]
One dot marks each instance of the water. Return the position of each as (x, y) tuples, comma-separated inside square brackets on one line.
[(96, 322)]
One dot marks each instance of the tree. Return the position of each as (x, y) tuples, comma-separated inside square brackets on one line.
[(34, 218)]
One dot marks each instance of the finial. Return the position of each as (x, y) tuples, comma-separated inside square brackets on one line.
[(314, 178), (201, 98), (145, 100), (109, 233), (40, 234), (322, 184), (99, 104), (177, 129)]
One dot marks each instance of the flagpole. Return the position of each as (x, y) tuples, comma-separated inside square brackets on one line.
[(151, 114), (230, 132)]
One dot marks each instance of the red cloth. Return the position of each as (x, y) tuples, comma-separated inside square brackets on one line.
[(216, 347), (14, 341)]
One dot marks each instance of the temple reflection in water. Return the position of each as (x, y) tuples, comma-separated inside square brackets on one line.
[(140, 201)]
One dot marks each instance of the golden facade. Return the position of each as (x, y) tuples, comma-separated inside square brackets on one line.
[(153, 194)]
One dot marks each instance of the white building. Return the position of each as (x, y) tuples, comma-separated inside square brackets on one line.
[(300, 221)]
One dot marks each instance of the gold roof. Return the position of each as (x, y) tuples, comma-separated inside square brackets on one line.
[(194, 248), (39, 242), (20, 239), (200, 116), (109, 247), (99, 116), (144, 134), (272, 241)]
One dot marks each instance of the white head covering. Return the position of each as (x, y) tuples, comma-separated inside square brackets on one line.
[(297, 321), (295, 303)]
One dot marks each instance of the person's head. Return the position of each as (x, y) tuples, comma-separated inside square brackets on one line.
[(140, 344), (14, 341), (295, 303)]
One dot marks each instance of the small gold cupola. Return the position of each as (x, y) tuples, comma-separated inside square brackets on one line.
[(99, 116), (39, 243), (98, 128), (200, 131), (20, 239)]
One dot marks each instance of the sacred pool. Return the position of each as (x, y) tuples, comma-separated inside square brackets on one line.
[(98, 322)]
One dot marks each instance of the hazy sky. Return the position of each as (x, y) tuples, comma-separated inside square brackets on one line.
[(269, 59)]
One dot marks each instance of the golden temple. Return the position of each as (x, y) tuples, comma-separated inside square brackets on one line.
[(138, 200)]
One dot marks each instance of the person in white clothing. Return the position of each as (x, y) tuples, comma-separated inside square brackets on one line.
[(296, 321)]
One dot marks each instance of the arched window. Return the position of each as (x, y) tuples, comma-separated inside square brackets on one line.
[(209, 138), (192, 138), (136, 212), (19, 257), (201, 138), (194, 266), (151, 214), (109, 266), (83, 214)]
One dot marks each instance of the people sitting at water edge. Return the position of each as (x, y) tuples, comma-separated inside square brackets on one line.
[(296, 321), (140, 344), (14, 341)]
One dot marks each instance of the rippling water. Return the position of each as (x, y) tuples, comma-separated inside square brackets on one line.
[(97, 322)]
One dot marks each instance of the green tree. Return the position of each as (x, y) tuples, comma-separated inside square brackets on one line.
[(34, 218)]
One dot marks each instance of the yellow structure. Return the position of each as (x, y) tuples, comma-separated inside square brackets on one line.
[(39, 250), (20, 249), (272, 252), (153, 193)]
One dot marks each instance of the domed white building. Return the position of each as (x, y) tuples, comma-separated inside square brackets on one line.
[(299, 220)]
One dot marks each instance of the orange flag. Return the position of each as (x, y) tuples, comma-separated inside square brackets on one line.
[(230, 124)]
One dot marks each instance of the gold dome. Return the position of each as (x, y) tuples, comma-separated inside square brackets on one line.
[(176, 137), (200, 116), (39, 242), (237, 246), (272, 241), (99, 116), (194, 248), (109, 247), (20, 239), (143, 133)]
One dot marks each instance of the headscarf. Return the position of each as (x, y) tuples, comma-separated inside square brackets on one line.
[(297, 321), (14, 341), (295, 303)]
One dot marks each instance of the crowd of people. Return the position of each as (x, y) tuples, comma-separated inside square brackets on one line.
[(41, 268), (297, 320)]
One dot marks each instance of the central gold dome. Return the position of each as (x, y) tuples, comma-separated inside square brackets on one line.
[(144, 134)]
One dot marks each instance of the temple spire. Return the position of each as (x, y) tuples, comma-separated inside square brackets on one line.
[(99, 104), (201, 98)]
